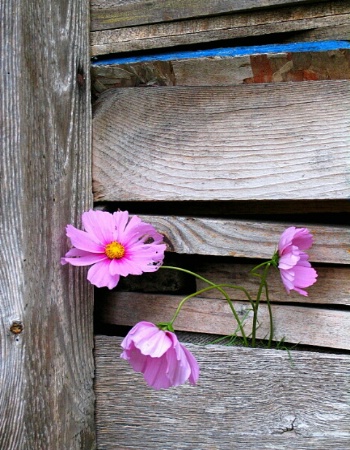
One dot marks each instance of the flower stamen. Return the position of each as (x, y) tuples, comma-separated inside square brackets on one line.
[(114, 250)]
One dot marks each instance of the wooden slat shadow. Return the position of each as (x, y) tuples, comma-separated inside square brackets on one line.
[(245, 399)]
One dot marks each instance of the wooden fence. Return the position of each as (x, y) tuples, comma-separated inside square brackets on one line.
[(231, 124)]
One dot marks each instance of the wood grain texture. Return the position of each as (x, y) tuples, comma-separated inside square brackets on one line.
[(253, 142), (332, 286), (292, 323), (246, 238), (228, 71), (106, 14), (316, 16), (245, 399), (46, 362)]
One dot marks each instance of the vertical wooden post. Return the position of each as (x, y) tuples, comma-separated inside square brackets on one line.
[(46, 337)]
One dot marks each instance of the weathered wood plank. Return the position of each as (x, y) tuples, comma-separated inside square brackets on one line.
[(332, 287), (330, 14), (294, 324), (246, 238), (46, 363), (225, 71), (245, 399), (107, 14), (260, 142)]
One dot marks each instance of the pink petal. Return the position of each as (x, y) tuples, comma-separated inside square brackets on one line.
[(304, 276), (99, 224), (287, 280), (124, 267), (193, 365), (136, 359), (302, 238), (286, 239), (120, 219), (138, 231), (83, 241), (155, 345), (142, 328), (148, 338), (99, 275), (178, 369), (85, 260), (288, 260), (155, 373)]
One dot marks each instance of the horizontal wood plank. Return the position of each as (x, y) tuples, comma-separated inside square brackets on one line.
[(254, 142), (246, 239), (245, 399), (330, 14), (293, 324), (332, 286), (107, 14), (226, 71)]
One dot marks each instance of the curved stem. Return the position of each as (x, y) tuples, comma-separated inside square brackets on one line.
[(228, 285), (219, 288)]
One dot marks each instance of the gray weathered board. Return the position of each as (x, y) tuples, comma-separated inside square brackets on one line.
[(247, 238), (245, 399), (309, 21), (46, 333), (122, 13), (295, 324), (251, 142)]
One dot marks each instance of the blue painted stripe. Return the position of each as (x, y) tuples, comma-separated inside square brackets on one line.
[(228, 52)]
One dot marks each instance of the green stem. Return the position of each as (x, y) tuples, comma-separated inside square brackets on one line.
[(259, 266), (219, 288), (270, 315), (258, 297)]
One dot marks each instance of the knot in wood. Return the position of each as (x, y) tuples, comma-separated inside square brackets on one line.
[(16, 327)]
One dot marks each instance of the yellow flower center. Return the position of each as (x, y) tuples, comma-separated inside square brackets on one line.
[(114, 250)]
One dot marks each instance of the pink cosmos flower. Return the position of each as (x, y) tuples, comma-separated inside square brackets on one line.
[(115, 246), (159, 355), (295, 269)]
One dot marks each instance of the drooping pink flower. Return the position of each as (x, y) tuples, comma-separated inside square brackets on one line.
[(295, 269), (115, 246), (159, 355)]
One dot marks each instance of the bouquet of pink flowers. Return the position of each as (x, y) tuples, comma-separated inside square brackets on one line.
[(116, 245)]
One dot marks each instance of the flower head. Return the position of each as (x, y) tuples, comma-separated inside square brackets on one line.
[(295, 269), (159, 355), (115, 246)]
